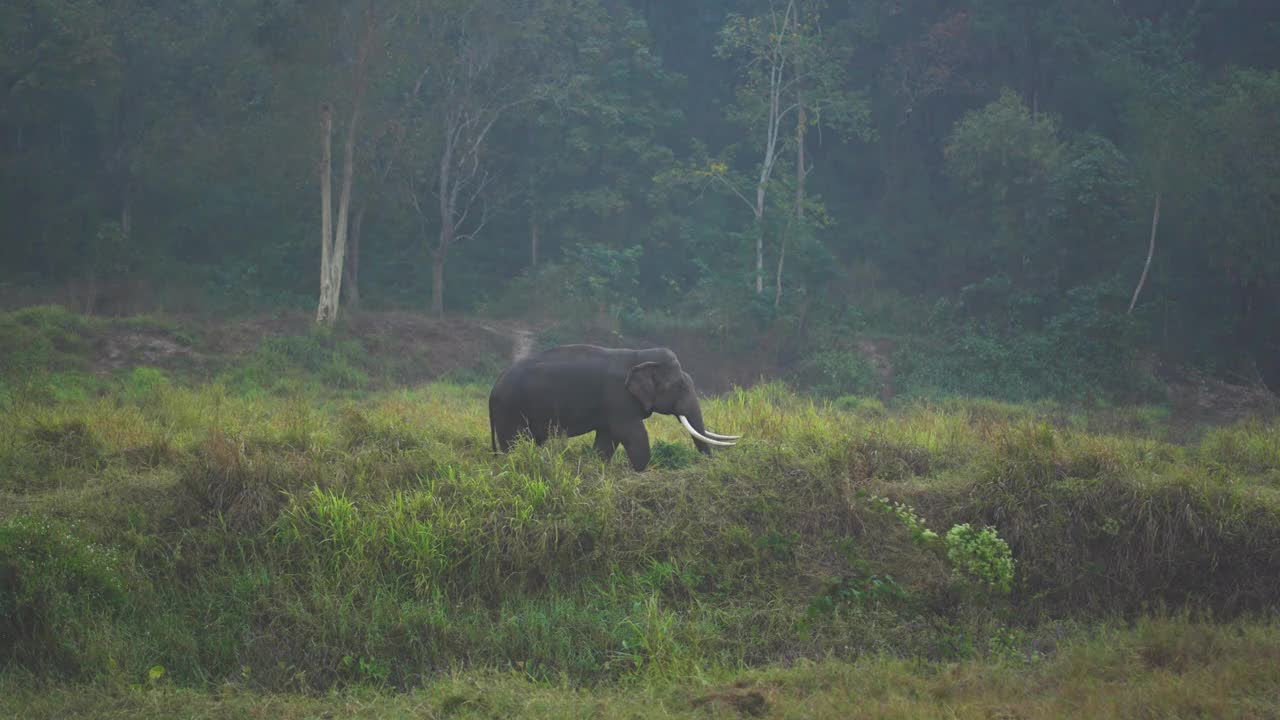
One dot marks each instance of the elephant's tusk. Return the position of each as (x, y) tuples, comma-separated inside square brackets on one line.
[(685, 422), (718, 436)]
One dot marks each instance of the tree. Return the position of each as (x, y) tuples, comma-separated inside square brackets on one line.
[(786, 67), (1162, 101), (333, 239), (582, 163), (483, 59), (1005, 156), (1244, 124)]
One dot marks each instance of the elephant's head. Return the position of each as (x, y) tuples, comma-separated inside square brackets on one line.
[(662, 386)]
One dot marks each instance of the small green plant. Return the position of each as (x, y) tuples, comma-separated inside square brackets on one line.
[(1010, 645), (777, 545), (920, 532), (871, 590), (673, 456), (981, 556), (366, 670)]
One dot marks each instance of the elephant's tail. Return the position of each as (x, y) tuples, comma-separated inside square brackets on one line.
[(493, 432)]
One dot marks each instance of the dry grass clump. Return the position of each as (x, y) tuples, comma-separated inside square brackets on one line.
[(1250, 448)]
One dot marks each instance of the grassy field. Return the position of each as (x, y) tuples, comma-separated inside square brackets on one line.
[(281, 536)]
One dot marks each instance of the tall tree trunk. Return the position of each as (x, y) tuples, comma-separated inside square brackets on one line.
[(533, 238), (334, 251), (782, 258), (800, 172), (126, 209), (334, 241), (1151, 249), (759, 213), (326, 208), (339, 254), (437, 282), (351, 268)]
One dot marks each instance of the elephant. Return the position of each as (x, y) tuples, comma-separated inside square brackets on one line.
[(576, 389)]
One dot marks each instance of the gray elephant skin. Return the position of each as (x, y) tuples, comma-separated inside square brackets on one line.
[(576, 389)]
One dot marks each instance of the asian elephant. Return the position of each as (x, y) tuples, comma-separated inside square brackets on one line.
[(576, 389)]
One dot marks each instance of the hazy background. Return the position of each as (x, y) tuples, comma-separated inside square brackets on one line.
[(979, 186)]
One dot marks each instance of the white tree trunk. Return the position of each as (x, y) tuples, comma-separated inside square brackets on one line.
[(327, 304), (1151, 250), (333, 250), (759, 239), (800, 172)]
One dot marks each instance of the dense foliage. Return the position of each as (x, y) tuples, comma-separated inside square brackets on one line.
[(979, 177)]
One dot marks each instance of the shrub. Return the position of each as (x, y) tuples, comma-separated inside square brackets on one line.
[(673, 456), (52, 583), (980, 556), (66, 444)]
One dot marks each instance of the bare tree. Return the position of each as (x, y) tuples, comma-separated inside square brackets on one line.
[(486, 62)]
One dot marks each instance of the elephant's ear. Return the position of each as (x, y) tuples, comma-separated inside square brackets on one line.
[(642, 384)]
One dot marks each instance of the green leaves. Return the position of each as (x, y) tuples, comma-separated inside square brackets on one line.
[(1003, 150), (981, 556)]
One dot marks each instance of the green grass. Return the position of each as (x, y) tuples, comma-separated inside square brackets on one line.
[(161, 538), (1163, 668)]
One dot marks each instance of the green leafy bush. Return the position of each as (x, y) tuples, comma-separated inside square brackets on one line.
[(980, 556)]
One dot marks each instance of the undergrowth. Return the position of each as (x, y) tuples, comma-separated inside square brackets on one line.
[(286, 541), (288, 524), (1163, 667)]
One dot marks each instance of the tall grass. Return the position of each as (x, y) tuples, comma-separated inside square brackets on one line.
[(292, 541)]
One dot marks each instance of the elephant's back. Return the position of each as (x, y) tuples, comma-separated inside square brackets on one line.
[(556, 375)]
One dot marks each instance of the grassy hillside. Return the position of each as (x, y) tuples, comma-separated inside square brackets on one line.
[(164, 533)]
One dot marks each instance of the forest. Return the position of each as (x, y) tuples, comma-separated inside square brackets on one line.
[(987, 291), (1033, 197)]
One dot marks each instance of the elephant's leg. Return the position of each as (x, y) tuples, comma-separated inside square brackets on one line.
[(506, 434), (606, 444), (541, 432), (635, 439), (509, 431)]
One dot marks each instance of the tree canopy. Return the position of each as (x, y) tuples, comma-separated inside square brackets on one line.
[(984, 174)]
